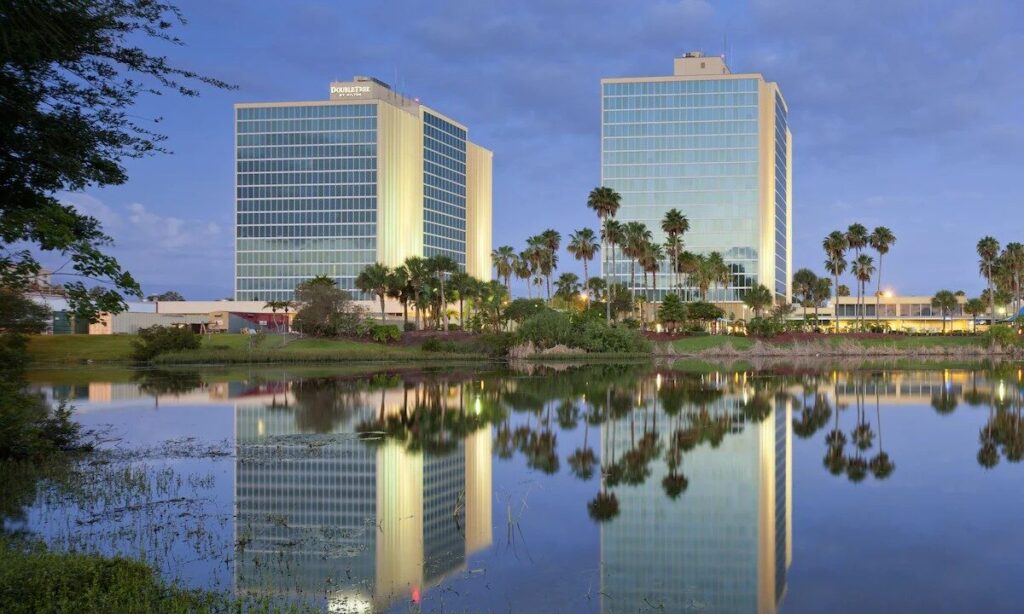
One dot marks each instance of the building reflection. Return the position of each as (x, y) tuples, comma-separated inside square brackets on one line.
[(331, 513), (725, 543)]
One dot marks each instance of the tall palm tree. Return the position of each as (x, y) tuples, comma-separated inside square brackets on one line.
[(605, 202), (399, 289), (687, 263), (441, 267), (584, 246), (552, 240), (535, 254), (612, 235), (418, 272), (857, 237), (974, 307), (464, 285), (881, 240), (374, 280), (719, 272), (675, 225), (835, 246), (945, 302), (502, 260), (651, 259), (1012, 262), (863, 268), (635, 236), (988, 257), (523, 270)]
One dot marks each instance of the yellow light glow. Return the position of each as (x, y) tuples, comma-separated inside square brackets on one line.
[(477, 407), (657, 381), (888, 293)]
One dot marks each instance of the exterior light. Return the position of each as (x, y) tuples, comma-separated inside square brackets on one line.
[(887, 293)]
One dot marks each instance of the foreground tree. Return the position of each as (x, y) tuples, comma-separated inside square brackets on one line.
[(974, 307), (70, 73), (863, 268), (418, 272), (442, 267), (605, 203)]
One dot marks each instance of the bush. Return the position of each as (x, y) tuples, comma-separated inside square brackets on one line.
[(672, 312), (409, 326), (765, 327), (1002, 336), (384, 333), (522, 309), (157, 340), (551, 328)]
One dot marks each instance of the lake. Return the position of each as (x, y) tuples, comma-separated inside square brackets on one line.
[(602, 488)]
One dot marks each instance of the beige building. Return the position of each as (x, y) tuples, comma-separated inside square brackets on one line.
[(902, 314), (717, 147), (367, 175)]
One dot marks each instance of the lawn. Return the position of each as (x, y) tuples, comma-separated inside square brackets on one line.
[(81, 349), (693, 345)]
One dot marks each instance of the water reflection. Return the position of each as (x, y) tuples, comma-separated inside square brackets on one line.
[(369, 493)]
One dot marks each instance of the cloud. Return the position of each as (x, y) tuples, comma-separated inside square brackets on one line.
[(164, 251)]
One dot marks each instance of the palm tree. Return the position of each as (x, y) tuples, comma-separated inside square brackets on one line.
[(584, 246), (284, 306), (374, 280), (651, 259), (804, 283), (463, 284), (835, 246), (944, 301), (605, 202), (881, 465), (675, 225), (418, 272), (441, 267), (687, 263), (502, 259), (534, 254), (551, 240), (988, 256), (974, 307), (863, 268), (400, 289), (758, 298), (821, 293), (566, 286), (881, 240), (635, 236), (1012, 263), (857, 237), (718, 272), (522, 270)]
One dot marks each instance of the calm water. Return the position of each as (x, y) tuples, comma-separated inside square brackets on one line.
[(599, 489)]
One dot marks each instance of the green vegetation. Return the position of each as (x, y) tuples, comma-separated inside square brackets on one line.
[(156, 340), (35, 581), (694, 345), (551, 328)]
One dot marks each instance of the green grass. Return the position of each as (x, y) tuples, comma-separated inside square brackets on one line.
[(909, 343), (693, 345), (53, 350), (35, 581)]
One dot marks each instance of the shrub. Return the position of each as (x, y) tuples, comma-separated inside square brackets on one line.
[(157, 340), (551, 328), (409, 326), (384, 333), (522, 309), (765, 327), (1003, 336), (672, 312)]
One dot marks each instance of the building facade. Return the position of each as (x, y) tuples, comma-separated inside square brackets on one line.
[(717, 147), (328, 187)]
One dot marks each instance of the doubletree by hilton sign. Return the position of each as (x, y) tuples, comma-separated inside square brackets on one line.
[(350, 91)]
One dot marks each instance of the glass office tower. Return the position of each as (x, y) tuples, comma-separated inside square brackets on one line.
[(328, 187), (716, 146)]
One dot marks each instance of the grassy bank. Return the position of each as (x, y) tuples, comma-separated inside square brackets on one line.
[(830, 345), (55, 350)]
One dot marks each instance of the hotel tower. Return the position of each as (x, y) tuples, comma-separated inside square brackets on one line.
[(327, 187), (717, 147)]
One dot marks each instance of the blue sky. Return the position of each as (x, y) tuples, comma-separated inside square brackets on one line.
[(905, 113)]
